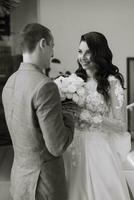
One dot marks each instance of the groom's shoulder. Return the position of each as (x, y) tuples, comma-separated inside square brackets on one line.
[(47, 84), (46, 90), (10, 81)]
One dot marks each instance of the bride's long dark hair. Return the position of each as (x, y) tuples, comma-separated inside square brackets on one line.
[(101, 57)]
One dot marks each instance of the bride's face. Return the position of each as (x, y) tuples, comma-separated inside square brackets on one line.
[(84, 55)]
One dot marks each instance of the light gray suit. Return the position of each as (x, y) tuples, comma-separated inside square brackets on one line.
[(39, 132)]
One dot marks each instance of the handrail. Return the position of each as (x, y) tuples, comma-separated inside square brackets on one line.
[(130, 106)]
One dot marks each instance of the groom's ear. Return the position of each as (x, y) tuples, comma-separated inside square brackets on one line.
[(42, 43)]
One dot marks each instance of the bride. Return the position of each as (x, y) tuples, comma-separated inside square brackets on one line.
[(101, 143)]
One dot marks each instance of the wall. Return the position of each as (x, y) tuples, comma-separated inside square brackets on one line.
[(68, 19), (25, 13)]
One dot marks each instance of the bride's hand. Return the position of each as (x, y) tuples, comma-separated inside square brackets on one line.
[(70, 106)]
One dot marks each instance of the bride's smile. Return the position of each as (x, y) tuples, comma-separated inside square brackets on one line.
[(84, 55)]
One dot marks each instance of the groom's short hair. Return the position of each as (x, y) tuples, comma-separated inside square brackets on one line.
[(31, 34)]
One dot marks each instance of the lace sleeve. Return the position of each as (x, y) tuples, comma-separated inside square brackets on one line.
[(117, 121)]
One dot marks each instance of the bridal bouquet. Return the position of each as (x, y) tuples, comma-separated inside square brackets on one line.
[(76, 98), (72, 88)]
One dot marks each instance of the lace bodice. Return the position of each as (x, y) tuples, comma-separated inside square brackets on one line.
[(96, 109)]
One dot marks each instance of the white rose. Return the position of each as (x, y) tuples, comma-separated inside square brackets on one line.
[(81, 91), (64, 89), (58, 81), (72, 88), (65, 82), (69, 95), (81, 101), (75, 98)]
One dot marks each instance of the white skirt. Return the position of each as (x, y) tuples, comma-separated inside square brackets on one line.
[(93, 167)]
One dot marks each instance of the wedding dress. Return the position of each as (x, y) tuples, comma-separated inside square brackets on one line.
[(93, 160)]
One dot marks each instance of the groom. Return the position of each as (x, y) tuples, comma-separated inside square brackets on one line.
[(39, 132)]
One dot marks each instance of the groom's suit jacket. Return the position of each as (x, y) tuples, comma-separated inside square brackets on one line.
[(39, 132)]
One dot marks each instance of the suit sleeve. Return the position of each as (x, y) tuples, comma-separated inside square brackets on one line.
[(57, 129)]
